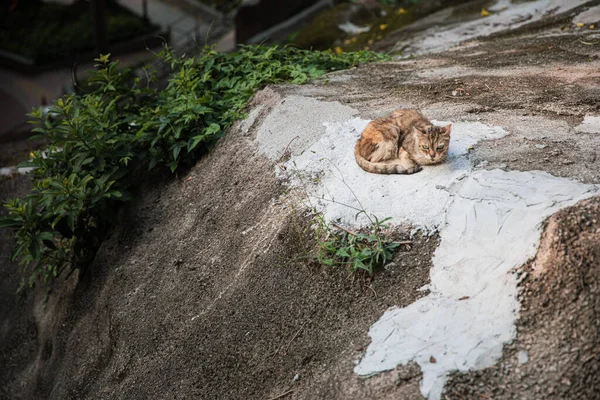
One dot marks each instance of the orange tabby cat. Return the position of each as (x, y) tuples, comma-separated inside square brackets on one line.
[(401, 143)]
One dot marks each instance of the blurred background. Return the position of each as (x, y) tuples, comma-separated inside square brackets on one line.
[(47, 45)]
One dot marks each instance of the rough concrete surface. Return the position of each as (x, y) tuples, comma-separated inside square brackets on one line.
[(488, 221), (205, 289)]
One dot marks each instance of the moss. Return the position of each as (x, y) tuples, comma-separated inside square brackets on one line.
[(469, 11), (323, 32)]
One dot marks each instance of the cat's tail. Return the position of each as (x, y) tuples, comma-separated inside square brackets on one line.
[(383, 167)]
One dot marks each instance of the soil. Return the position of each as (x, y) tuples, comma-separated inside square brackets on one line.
[(204, 290)]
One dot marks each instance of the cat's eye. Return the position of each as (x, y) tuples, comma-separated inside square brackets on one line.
[(425, 147), (440, 146)]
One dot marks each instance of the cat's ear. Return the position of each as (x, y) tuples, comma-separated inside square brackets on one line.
[(420, 130), (447, 129)]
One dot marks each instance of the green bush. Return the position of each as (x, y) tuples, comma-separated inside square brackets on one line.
[(100, 137)]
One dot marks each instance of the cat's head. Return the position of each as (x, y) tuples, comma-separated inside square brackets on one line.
[(432, 143)]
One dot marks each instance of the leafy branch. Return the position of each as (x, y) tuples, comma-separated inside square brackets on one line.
[(113, 127)]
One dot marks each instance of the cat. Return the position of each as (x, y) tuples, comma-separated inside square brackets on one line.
[(401, 143)]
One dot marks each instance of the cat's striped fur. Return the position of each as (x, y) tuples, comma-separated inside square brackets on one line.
[(401, 143)]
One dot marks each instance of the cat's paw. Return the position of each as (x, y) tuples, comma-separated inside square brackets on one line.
[(414, 170)]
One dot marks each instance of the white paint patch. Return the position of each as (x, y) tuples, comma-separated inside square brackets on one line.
[(247, 123), (489, 222), (505, 15), (590, 124), (492, 225), (296, 123), (420, 199), (589, 16)]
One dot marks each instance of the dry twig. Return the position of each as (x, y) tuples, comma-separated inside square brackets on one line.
[(344, 229), (295, 336), (373, 290), (286, 151), (281, 395)]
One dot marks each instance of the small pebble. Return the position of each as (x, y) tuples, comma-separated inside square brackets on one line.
[(389, 266), (523, 357)]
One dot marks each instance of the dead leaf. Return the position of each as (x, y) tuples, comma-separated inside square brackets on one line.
[(432, 360), (464, 298), (484, 12)]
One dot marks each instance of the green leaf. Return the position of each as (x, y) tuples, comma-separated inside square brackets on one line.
[(193, 142), (34, 249), (46, 236), (56, 220), (26, 164), (212, 129), (342, 253), (10, 222), (358, 264), (176, 150)]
